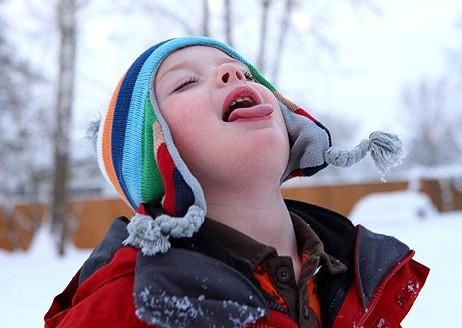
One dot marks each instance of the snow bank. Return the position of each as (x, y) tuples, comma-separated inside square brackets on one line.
[(410, 217), (29, 281)]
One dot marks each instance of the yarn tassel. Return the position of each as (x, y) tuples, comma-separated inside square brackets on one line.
[(92, 132), (152, 235), (385, 148)]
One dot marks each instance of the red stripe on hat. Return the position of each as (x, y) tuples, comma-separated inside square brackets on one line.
[(302, 112), (142, 210), (295, 173), (166, 168)]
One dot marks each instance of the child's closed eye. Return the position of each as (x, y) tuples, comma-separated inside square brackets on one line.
[(184, 84)]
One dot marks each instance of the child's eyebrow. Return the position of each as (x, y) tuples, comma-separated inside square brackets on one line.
[(171, 69), (184, 64)]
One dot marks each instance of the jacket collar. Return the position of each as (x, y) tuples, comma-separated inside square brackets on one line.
[(183, 288)]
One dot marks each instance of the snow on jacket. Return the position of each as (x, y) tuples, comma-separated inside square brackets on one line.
[(198, 284)]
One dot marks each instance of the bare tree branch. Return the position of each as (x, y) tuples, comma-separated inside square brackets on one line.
[(170, 14), (283, 31), (434, 139), (17, 135)]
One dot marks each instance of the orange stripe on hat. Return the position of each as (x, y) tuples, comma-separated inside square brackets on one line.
[(107, 142)]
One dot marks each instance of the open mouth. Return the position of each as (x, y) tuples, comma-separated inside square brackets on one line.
[(245, 102), (238, 102)]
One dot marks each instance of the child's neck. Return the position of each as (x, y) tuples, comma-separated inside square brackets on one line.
[(262, 216)]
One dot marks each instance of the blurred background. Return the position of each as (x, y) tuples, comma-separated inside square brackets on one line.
[(356, 65)]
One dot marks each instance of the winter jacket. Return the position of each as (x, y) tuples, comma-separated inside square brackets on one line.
[(197, 283)]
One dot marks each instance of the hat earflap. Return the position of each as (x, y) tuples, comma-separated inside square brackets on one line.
[(309, 140), (311, 146), (183, 204)]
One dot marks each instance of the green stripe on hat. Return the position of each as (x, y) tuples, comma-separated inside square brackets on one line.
[(152, 188)]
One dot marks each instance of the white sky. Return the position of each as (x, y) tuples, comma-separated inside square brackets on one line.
[(374, 55), (409, 40)]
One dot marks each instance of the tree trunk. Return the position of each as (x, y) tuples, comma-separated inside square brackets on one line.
[(228, 23), (205, 18), (66, 19), (261, 59)]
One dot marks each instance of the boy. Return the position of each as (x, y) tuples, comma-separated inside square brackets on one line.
[(198, 143)]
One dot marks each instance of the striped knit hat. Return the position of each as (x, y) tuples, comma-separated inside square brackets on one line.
[(137, 155)]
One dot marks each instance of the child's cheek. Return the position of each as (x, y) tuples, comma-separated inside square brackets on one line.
[(174, 111), (181, 117)]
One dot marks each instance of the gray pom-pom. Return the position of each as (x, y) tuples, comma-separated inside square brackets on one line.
[(385, 148), (152, 235)]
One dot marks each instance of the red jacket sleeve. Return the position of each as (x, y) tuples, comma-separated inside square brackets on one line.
[(103, 300), (111, 305)]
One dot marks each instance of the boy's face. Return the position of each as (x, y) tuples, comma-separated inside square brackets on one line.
[(223, 123)]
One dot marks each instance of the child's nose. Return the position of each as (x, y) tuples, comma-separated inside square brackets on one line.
[(229, 72)]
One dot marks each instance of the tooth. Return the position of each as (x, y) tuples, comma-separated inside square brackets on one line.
[(239, 100)]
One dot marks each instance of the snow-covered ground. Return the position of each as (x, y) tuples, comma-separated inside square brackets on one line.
[(29, 281)]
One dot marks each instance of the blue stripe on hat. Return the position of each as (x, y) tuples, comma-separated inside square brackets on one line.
[(184, 195), (121, 112), (132, 164)]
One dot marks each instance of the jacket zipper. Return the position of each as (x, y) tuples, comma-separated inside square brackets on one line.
[(334, 306)]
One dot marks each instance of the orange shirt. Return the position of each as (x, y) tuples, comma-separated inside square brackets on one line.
[(275, 273)]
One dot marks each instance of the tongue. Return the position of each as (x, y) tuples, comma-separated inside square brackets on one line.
[(256, 111)]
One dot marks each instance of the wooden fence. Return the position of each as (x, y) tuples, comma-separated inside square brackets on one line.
[(92, 217), (342, 198)]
